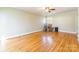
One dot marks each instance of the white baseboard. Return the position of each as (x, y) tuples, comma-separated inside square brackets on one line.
[(68, 32), (7, 37)]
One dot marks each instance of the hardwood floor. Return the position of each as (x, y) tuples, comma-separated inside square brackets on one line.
[(43, 42)]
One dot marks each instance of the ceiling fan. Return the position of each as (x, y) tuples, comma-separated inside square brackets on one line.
[(49, 9)]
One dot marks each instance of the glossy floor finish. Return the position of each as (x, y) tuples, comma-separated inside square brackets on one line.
[(43, 42)]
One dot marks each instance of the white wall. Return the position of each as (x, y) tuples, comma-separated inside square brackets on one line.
[(66, 21), (16, 22)]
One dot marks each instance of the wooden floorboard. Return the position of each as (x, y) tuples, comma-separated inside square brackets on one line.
[(43, 42)]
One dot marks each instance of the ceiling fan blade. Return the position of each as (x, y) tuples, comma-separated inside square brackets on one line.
[(52, 9)]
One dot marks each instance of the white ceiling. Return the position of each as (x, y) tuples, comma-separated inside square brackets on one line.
[(40, 10)]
